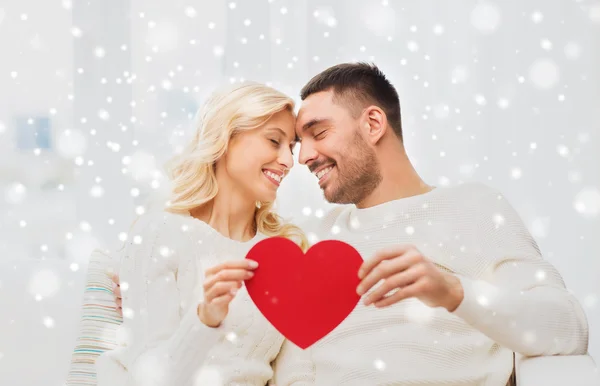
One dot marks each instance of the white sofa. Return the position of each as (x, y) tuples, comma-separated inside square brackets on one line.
[(579, 370), (575, 370)]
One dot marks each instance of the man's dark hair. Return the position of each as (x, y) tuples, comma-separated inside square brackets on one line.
[(356, 86)]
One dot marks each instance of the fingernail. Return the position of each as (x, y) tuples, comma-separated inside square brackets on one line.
[(359, 291), (360, 273), (233, 291), (250, 274), (252, 264)]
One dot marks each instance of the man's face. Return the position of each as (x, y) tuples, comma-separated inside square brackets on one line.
[(334, 149)]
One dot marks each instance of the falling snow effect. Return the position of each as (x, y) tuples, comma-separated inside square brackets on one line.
[(485, 17), (418, 312), (208, 376), (45, 283), (587, 202), (379, 364), (496, 92), (544, 73)]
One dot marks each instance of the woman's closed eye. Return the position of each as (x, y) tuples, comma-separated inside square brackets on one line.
[(276, 143)]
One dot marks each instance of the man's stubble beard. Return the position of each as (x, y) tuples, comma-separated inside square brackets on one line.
[(358, 177)]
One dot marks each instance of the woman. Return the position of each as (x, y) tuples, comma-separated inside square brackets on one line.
[(187, 318)]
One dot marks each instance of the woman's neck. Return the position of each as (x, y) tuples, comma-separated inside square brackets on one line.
[(229, 215)]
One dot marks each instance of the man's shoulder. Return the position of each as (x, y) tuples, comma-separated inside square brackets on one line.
[(469, 195), (484, 195), (472, 190), (488, 207)]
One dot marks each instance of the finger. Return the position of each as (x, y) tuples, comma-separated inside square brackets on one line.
[(119, 303), (115, 279), (384, 254), (397, 281), (386, 269), (227, 275), (236, 264), (222, 288), (120, 311), (401, 294), (117, 291), (222, 300)]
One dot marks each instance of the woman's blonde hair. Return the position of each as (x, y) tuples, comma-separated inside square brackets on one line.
[(227, 112)]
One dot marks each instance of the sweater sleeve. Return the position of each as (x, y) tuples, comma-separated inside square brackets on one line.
[(521, 301), (293, 367), (162, 345)]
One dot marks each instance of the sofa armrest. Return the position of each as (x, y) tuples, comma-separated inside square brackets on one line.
[(557, 370)]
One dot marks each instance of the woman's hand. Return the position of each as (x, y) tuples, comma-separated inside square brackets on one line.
[(116, 285), (220, 286)]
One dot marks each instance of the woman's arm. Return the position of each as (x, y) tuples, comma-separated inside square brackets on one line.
[(161, 345)]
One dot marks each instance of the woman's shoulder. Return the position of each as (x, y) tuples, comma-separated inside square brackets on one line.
[(161, 223), (161, 233)]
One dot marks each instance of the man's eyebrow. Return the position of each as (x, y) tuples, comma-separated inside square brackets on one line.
[(313, 122)]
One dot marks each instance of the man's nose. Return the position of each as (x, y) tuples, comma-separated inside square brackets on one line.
[(307, 153)]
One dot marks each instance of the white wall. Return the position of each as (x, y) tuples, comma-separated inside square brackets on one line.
[(505, 93)]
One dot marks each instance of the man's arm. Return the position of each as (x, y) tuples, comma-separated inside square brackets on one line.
[(522, 302)]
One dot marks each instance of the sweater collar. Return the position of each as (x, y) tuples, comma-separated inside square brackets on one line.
[(388, 212)]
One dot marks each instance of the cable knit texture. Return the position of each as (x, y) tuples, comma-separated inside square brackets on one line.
[(162, 341), (514, 301)]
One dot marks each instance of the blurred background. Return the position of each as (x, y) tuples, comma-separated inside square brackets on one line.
[(96, 95)]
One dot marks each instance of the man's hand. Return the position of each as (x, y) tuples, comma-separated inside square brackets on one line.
[(220, 286), (404, 268), (117, 293)]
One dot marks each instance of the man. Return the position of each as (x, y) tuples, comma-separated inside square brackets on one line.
[(452, 282)]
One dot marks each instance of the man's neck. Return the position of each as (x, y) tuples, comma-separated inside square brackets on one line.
[(399, 180)]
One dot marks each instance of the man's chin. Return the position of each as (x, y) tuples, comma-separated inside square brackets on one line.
[(333, 196), (327, 191)]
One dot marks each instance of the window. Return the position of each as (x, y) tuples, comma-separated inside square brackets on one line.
[(33, 133)]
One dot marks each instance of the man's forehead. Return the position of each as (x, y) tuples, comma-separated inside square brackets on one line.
[(313, 106), (307, 118)]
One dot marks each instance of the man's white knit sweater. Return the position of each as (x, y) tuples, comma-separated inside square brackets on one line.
[(514, 301)]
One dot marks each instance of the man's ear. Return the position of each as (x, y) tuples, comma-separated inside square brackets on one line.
[(374, 124)]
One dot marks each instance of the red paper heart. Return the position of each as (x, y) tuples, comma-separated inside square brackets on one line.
[(304, 296)]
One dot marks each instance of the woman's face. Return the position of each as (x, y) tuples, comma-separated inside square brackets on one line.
[(258, 159)]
